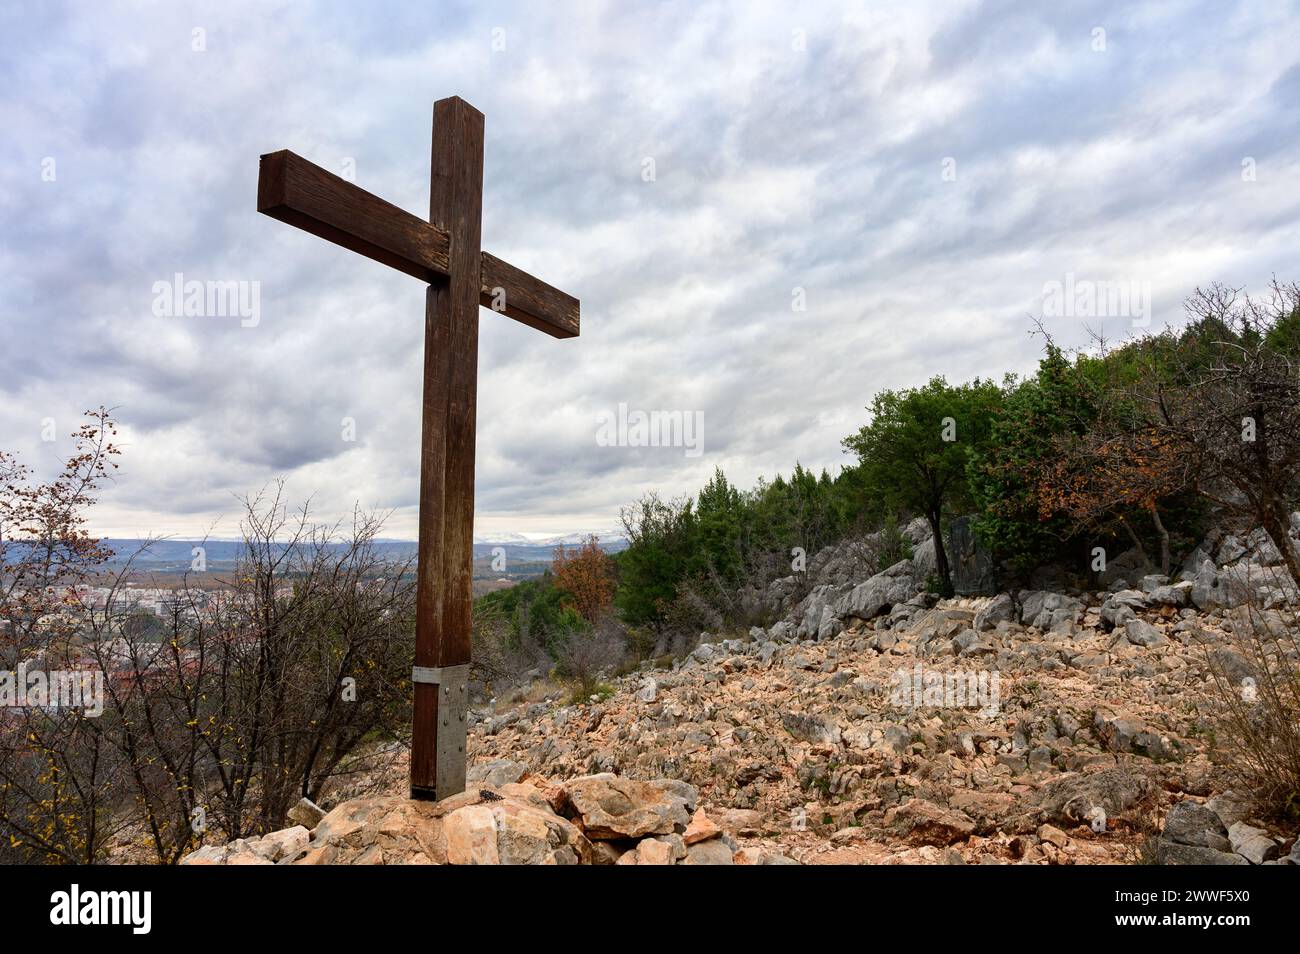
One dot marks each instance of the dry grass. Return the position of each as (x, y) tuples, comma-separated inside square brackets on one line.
[(1257, 687)]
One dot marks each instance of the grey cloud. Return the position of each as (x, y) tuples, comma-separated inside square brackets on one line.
[(775, 168)]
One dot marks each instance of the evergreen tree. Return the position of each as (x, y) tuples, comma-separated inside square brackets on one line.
[(916, 451)]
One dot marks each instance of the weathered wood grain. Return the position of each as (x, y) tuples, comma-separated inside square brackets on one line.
[(301, 193), (527, 299), (443, 615)]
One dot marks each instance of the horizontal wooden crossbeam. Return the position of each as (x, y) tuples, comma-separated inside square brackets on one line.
[(293, 190), (527, 299), (302, 194)]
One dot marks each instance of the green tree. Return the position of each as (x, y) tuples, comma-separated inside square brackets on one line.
[(916, 451), (806, 510), (661, 537), (721, 520), (1059, 402), (535, 612)]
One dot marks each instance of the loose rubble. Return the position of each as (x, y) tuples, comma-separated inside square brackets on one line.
[(871, 723), (597, 819)]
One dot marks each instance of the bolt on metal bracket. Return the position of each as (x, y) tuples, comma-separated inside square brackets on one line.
[(453, 708)]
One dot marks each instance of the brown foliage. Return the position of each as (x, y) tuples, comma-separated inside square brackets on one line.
[(1103, 474), (586, 575), (1223, 399)]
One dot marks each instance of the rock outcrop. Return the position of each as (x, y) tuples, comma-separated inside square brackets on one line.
[(595, 819), (1197, 834)]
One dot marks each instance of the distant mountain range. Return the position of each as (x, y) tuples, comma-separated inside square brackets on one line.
[(176, 555), (606, 538)]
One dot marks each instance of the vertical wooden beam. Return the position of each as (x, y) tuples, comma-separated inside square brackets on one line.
[(444, 605), (429, 589)]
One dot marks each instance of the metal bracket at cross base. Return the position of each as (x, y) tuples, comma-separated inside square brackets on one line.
[(453, 707)]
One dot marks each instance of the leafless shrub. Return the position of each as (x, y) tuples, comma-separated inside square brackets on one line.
[(1220, 400), (247, 698), (692, 611), (588, 653), (1256, 678), (502, 658)]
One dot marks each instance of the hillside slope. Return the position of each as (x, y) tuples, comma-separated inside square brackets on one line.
[(1038, 727)]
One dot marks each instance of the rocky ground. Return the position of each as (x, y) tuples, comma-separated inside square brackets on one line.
[(871, 724), (600, 819), (1094, 733)]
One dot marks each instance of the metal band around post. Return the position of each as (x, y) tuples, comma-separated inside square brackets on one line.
[(453, 708)]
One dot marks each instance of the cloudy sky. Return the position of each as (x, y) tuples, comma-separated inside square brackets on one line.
[(769, 214)]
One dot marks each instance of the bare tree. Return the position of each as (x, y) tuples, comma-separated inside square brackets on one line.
[(246, 698), (53, 793), (1220, 402)]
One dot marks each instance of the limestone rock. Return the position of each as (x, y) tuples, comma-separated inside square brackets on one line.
[(713, 852), (1122, 733), (495, 773), (754, 855), (1178, 595), (701, 828), (284, 843), (1121, 607), (1189, 823), (267, 850), (1000, 609), (666, 850), (649, 690), (921, 822), (867, 600), (306, 813), (1053, 836), (809, 728), (1044, 609), (471, 834), (1207, 593), (1142, 633), (1074, 796), (742, 821), (1252, 843), (609, 806), (1172, 853)]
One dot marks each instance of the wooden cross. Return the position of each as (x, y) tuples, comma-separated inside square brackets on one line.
[(445, 253)]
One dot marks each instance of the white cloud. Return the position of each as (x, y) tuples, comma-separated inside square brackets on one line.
[(776, 167)]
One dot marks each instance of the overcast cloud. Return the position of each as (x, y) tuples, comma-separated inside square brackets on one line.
[(810, 149)]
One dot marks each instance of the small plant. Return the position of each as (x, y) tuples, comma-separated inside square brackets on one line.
[(892, 546)]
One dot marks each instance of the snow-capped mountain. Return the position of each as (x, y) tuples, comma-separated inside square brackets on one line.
[(577, 538), (505, 539)]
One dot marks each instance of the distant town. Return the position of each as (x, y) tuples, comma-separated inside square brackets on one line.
[(154, 569)]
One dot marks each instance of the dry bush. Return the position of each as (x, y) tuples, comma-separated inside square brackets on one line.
[(1220, 402), (501, 658), (1256, 679), (587, 654), (1141, 823), (248, 697), (586, 575)]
